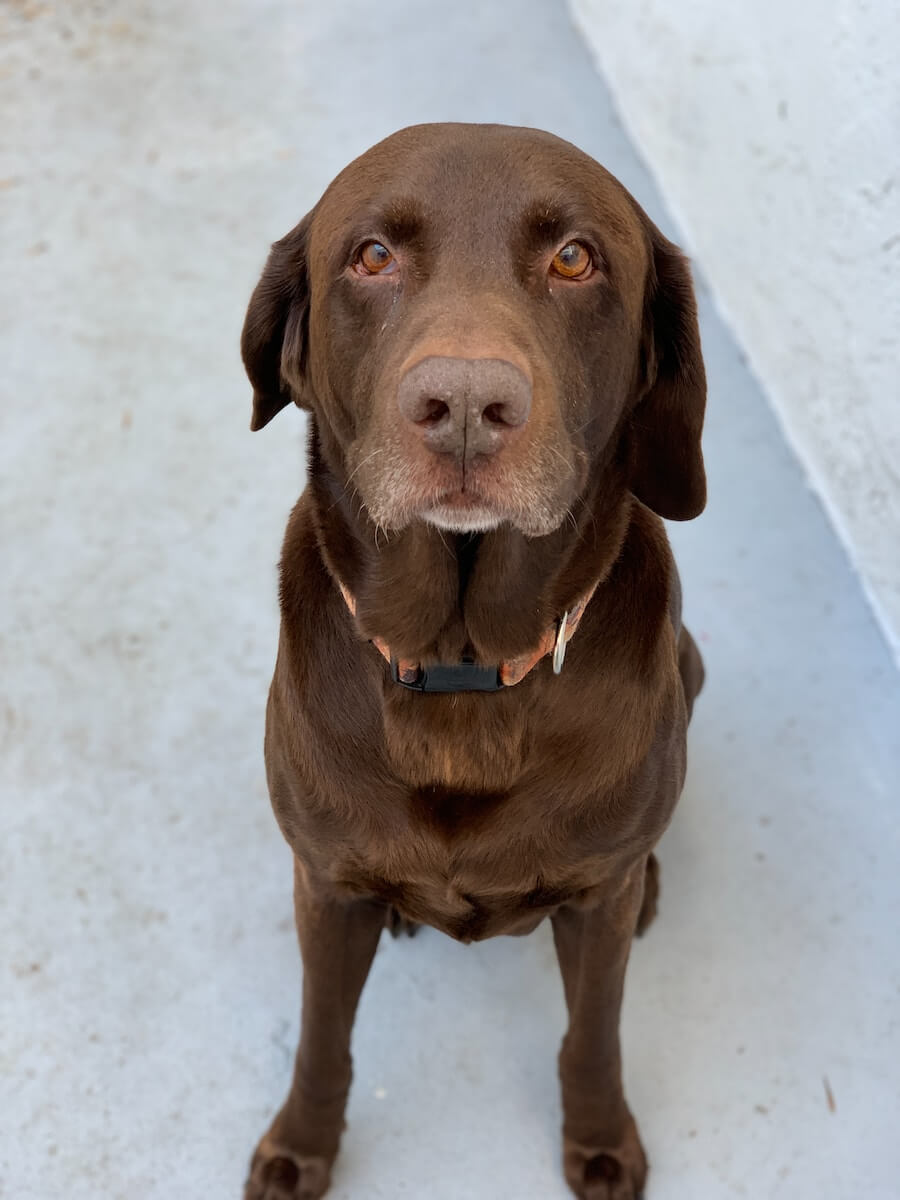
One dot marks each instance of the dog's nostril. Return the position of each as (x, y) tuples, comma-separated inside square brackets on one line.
[(433, 412), (495, 414)]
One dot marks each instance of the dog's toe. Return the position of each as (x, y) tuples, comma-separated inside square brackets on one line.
[(616, 1173), (276, 1173)]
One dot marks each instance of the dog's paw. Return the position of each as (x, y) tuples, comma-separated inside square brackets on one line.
[(614, 1173), (277, 1173), (399, 925)]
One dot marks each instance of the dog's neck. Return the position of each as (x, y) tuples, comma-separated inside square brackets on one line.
[(433, 596)]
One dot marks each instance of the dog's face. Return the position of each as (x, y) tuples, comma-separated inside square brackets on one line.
[(480, 317)]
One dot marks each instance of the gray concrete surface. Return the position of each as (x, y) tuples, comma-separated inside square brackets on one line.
[(149, 999)]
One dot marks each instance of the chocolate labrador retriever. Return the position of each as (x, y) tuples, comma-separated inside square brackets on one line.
[(483, 685)]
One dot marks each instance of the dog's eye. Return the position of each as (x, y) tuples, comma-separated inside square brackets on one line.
[(574, 261), (375, 259)]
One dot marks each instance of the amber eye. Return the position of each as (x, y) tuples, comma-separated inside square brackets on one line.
[(374, 259), (573, 261)]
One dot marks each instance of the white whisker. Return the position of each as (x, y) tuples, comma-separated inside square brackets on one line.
[(355, 470)]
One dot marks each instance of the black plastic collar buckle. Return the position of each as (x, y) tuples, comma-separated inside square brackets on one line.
[(465, 676)]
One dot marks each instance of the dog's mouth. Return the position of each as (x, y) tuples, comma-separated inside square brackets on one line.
[(462, 512), (529, 495), (468, 497), (484, 504)]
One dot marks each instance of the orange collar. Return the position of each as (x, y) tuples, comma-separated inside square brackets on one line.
[(467, 676)]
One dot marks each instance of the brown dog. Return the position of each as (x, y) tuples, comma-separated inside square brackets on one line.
[(501, 360)]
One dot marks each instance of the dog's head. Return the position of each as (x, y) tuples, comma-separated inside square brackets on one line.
[(481, 317)]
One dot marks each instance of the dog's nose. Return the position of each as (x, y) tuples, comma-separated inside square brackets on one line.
[(465, 406)]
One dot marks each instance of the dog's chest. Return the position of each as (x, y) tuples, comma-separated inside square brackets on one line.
[(467, 865), (471, 744)]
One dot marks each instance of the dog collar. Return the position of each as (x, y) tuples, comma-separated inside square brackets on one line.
[(467, 675)]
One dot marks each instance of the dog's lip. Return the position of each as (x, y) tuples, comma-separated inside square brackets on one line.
[(462, 511), (460, 498), (462, 502)]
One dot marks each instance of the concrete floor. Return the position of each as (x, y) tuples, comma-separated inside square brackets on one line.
[(149, 1001)]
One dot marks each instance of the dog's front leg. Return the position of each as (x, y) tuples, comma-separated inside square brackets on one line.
[(338, 939), (602, 1154)]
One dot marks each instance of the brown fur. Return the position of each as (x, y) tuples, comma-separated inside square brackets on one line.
[(478, 814)]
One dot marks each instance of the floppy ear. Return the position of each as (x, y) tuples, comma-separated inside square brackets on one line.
[(664, 437), (276, 328)]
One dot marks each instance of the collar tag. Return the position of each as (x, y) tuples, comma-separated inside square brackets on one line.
[(559, 648)]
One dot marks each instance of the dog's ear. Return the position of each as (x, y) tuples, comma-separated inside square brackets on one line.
[(666, 462), (274, 341)]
